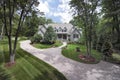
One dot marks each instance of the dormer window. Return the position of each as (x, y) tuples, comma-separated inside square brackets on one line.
[(65, 29), (60, 29), (55, 29)]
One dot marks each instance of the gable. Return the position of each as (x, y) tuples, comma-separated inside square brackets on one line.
[(61, 28), (75, 31)]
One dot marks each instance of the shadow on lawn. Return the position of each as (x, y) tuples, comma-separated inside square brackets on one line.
[(3, 75), (59, 76)]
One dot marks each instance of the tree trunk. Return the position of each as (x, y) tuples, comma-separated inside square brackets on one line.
[(17, 32), (10, 49), (2, 32), (89, 48), (12, 58), (87, 45), (118, 37), (86, 31)]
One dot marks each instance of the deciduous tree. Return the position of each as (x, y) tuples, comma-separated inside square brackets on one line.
[(10, 8), (86, 12)]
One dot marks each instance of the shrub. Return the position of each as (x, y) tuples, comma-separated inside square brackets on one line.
[(57, 43), (32, 40), (106, 45), (107, 50), (36, 38), (117, 46), (50, 36)]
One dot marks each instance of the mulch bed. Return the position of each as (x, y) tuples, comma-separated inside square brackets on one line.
[(87, 58), (9, 64)]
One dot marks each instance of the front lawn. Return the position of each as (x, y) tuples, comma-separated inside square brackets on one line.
[(114, 59), (43, 46), (116, 56), (27, 67), (71, 53)]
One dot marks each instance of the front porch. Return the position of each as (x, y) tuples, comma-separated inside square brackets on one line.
[(62, 37)]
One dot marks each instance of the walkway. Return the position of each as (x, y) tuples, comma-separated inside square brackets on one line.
[(71, 69)]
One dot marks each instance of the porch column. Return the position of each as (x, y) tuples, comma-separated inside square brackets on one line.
[(66, 37), (62, 37)]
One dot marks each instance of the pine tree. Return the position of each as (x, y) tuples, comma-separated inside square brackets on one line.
[(50, 35)]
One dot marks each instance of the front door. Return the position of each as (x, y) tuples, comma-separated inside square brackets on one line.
[(64, 36), (59, 36)]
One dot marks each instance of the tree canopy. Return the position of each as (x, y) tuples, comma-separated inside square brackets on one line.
[(98, 27)]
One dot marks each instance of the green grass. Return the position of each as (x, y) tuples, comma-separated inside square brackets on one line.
[(114, 59), (27, 67), (116, 56), (44, 46), (71, 53), (23, 38)]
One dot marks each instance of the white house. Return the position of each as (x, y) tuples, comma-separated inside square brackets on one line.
[(66, 32)]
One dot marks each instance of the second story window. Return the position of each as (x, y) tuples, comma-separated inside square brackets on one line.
[(75, 36), (60, 29), (64, 29), (56, 30)]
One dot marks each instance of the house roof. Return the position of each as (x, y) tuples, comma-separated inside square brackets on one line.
[(64, 26), (58, 26)]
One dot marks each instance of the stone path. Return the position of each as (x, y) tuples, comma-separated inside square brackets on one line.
[(71, 69)]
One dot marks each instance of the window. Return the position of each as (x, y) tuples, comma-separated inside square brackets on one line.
[(65, 29), (56, 30), (60, 29), (75, 36)]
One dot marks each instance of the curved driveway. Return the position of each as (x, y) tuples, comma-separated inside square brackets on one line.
[(71, 69)]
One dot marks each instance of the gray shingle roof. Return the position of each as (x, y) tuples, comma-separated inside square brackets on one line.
[(58, 26), (62, 26)]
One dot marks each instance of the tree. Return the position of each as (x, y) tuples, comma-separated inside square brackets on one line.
[(42, 20), (31, 24), (111, 13), (103, 33), (1, 31), (107, 51), (86, 12), (10, 8), (36, 38), (50, 35), (49, 21)]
